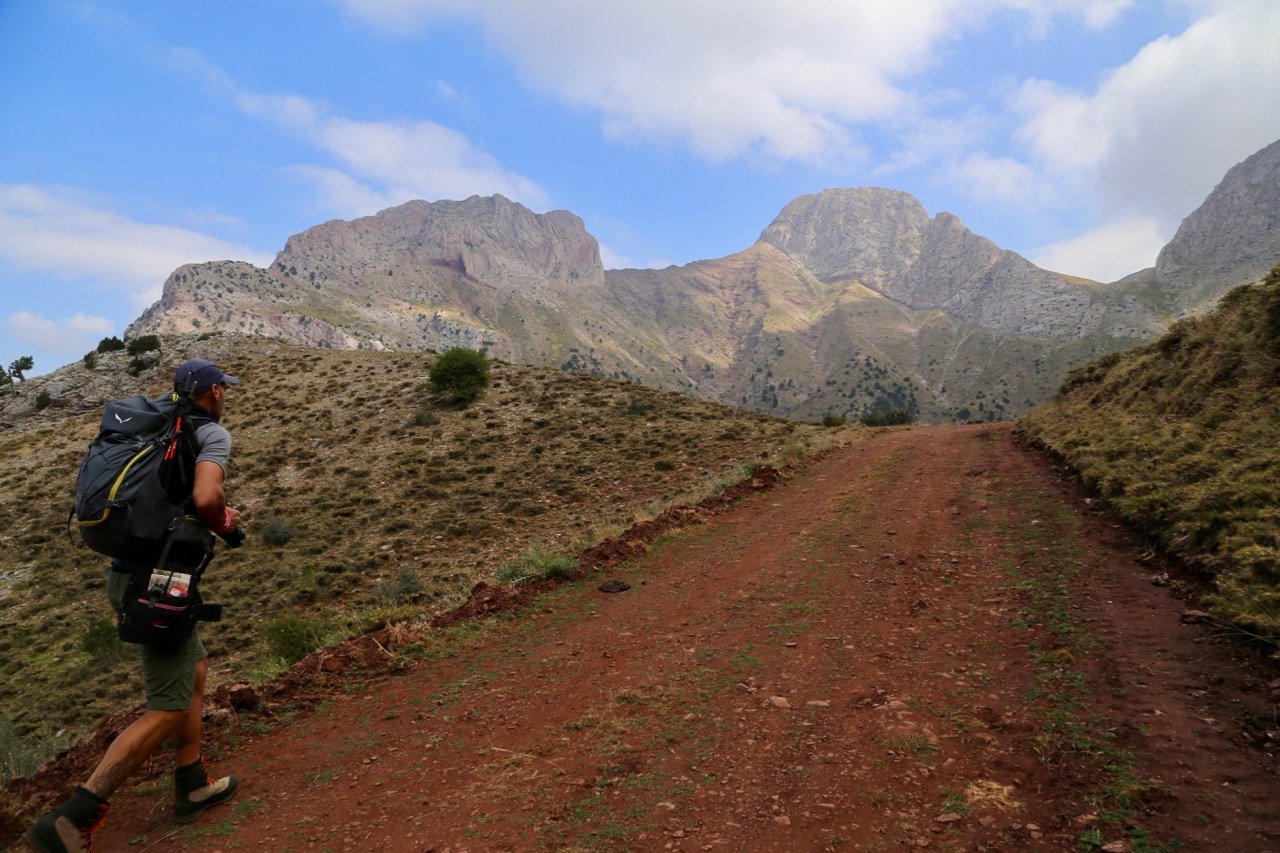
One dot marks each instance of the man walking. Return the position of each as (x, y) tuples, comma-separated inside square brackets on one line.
[(175, 678)]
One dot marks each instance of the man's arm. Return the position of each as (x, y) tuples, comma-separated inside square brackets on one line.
[(211, 501)]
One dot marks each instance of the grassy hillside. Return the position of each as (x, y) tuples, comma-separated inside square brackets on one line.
[(1182, 436), (364, 502)]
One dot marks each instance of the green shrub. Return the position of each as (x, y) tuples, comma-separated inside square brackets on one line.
[(892, 417), (110, 344), (401, 589), (425, 417), (145, 343), (91, 360), (42, 401), (537, 565), (292, 637), (831, 419), (277, 534), (460, 375)]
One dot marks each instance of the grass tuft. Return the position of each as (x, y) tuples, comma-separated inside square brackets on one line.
[(536, 565)]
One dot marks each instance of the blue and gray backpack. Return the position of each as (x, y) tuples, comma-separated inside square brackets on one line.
[(135, 482)]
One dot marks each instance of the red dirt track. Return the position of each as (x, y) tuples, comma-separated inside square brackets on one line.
[(926, 638)]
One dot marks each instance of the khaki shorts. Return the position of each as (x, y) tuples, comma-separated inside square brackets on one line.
[(170, 675)]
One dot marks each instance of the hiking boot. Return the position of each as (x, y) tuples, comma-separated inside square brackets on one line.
[(69, 829), (195, 790)]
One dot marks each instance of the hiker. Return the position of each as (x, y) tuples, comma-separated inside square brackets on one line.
[(175, 679)]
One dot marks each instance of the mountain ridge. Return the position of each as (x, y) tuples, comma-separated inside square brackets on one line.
[(861, 302)]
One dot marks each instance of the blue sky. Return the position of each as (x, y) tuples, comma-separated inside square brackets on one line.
[(137, 136)]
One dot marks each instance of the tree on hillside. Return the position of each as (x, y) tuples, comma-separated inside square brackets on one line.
[(146, 343), (20, 365), (460, 375)]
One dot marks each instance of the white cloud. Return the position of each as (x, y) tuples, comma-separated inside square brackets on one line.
[(65, 338), (614, 261), (789, 80), (292, 112), (1065, 130), (1094, 14), (379, 163), (422, 156), (69, 235), (1160, 131), (1107, 253), (1000, 179), (819, 82), (387, 163), (341, 193)]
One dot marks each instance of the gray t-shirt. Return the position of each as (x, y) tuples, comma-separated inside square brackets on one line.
[(214, 442)]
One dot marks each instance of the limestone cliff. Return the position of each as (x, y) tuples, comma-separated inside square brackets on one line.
[(1233, 237), (851, 299)]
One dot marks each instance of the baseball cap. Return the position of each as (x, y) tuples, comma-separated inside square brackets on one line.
[(197, 376)]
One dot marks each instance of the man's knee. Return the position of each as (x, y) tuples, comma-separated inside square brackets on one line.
[(160, 724), (168, 718)]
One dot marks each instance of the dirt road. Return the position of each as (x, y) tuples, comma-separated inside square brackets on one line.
[(923, 639)]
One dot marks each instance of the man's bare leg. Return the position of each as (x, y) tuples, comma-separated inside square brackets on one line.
[(186, 735), (131, 748)]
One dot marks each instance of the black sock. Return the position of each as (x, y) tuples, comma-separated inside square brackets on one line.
[(84, 808), (190, 776)]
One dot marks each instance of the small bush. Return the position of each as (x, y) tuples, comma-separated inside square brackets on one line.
[(91, 360), (537, 565), (292, 637), (146, 343), (425, 417), (277, 534), (42, 401), (139, 363), (110, 344), (401, 589), (833, 420), (892, 417), (460, 375)]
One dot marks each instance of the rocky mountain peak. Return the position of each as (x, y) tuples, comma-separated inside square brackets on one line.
[(869, 234), (885, 240), (490, 239), (1233, 236)]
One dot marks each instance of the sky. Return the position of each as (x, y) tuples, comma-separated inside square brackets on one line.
[(139, 136)]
